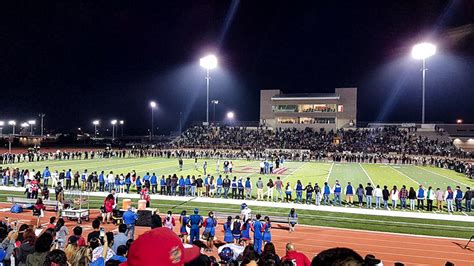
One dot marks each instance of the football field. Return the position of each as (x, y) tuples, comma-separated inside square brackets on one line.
[(314, 172)]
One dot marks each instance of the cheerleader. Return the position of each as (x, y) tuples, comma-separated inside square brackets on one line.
[(245, 231), (183, 232), (267, 235), (168, 221), (145, 195), (209, 233), (228, 236), (292, 219), (236, 232)]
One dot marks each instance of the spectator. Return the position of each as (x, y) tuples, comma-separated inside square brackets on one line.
[(77, 231), (297, 257), (394, 196), (412, 198), (168, 221), (27, 246), (360, 195), (368, 195), (38, 211), (292, 220), (420, 196), (42, 246), (337, 256), (95, 234), (385, 196), (467, 198), (109, 203), (61, 233), (430, 197), (156, 220), (449, 197), (209, 233), (269, 255), (83, 256), (439, 199), (160, 245), (56, 258), (121, 254), (121, 238), (104, 252)]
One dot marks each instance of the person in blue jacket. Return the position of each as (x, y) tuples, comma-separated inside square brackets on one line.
[(219, 186), (299, 192), (195, 222), (187, 186), (258, 228), (248, 188), (181, 186), (138, 184), (129, 218), (420, 196), (68, 179), (228, 237), (267, 235), (146, 180), (183, 232), (128, 182), (154, 183), (101, 181), (349, 194), (209, 233), (46, 175), (326, 193), (163, 185), (245, 231), (240, 188)]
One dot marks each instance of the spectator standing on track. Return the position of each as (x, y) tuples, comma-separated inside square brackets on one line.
[(195, 222), (439, 199), (258, 228), (403, 197), (109, 203), (430, 197), (228, 237), (360, 195), (349, 194), (38, 211), (326, 193), (458, 199), (259, 186), (278, 189), (449, 197), (295, 257), (420, 196), (467, 198), (209, 233), (368, 195)]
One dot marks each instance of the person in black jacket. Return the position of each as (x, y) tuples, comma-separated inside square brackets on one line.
[(309, 193), (468, 197), (385, 196)]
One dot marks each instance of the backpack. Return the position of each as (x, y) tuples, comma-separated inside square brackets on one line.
[(16, 209)]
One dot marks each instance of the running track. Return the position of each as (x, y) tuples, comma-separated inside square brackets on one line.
[(391, 248)]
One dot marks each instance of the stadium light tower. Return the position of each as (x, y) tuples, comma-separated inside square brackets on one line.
[(2, 123), (121, 122), (31, 123), (95, 123), (153, 107), (208, 62), (214, 103), (113, 122), (13, 124), (423, 51)]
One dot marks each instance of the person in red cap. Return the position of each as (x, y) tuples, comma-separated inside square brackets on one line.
[(296, 257), (160, 246)]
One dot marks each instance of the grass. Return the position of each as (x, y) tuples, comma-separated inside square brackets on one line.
[(314, 172)]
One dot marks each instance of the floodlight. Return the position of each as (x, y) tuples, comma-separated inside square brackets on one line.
[(96, 122), (2, 123), (121, 122), (423, 50), (153, 104), (113, 122), (230, 115), (208, 62), (12, 122)]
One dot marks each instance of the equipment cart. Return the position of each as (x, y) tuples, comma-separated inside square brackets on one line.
[(74, 206)]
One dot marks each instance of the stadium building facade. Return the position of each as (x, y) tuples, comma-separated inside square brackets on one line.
[(316, 110)]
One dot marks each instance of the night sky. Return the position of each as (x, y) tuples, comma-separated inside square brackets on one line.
[(82, 60)]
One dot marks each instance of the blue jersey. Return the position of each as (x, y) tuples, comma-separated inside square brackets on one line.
[(349, 190), (101, 178), (258, 229), (195, 221)]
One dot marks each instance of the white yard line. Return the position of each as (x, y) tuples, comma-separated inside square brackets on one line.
[(405, 175), (442, 176), (330, 171), (367, 174)]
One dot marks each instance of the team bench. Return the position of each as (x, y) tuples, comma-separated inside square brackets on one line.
[(47, 203), (276, 219)]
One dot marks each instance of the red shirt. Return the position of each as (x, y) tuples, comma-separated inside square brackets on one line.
[(81, 242), (298, 258), (109, 205)]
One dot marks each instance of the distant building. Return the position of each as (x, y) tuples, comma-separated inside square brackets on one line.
[(315, 110)]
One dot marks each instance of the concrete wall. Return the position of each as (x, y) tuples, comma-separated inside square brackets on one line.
[(266, 114), (348, 98)]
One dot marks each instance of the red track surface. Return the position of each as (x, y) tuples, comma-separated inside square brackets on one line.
[(411, 250)]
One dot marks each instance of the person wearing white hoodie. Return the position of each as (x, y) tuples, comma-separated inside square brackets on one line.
[(378, 196), (394, 196)]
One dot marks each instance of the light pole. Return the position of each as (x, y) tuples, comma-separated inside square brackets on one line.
[(2, 123), (214, 103), (95, 123), (153, 107), (31, 123), (24, 125), (422, 51), (113, 122), (42, 118), (208, 62), (121, 122), (13, 124)]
